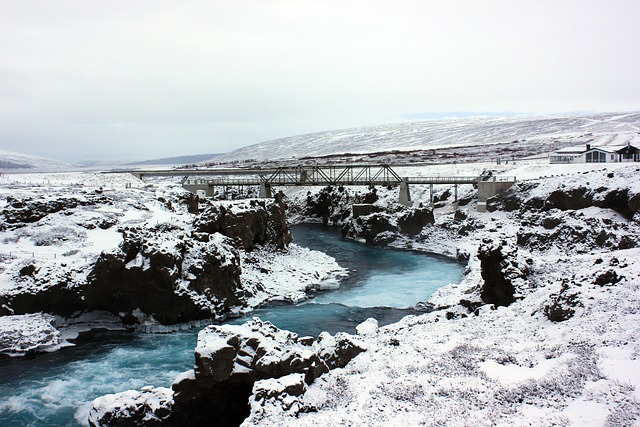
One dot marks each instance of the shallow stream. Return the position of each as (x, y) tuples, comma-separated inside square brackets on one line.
[(57, 389)]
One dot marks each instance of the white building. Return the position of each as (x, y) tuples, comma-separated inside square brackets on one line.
[(596, 154)]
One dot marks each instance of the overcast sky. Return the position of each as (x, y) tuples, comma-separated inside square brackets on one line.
[(110, 79)]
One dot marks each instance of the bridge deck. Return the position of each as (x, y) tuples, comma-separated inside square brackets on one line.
[(284, 181)]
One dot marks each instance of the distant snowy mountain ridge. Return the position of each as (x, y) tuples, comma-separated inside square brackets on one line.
[(599, 129), (18, 162)]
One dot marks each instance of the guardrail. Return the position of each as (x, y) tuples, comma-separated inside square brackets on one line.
[(222, 182), (44, 255), (500, 178), (443, 180)]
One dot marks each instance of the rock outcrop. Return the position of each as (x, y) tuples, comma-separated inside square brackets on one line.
[(377, 229), (382, 228), (170, 272), (596, 188), (411, 223), (498, 266), (232, 363), (561, 216), (21, 212), (250, 222)]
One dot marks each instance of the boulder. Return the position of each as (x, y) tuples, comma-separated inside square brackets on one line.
[(562, 304), (377, 229), (149, 407)]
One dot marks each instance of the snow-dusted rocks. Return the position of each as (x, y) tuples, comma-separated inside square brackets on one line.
[(275, 396), (500, 272), (564, 351), (234, 363), (30, 333), (148, 256), (163, 273), (250, 222), (149, 407), (368, 327)]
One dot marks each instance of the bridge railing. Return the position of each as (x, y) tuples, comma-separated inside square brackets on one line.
[(316, 181), (443, 180), (501, 178), (225, 181)]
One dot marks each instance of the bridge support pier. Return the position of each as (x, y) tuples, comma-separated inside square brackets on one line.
[(455, 196), (488, 189), (265, 190), (431, 196), (404, 197)]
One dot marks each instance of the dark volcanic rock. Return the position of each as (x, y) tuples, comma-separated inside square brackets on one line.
[(620, 201), (120, 290), (609, 277), (374, 228), (146, 276), (192, 201), (59, 298), (582, 196), (250, 222), (574, 231), (414, 221), (333, 204), (499, 269), (562, 305), (20, 212), (573, 199), (229, 361), (165, 271)]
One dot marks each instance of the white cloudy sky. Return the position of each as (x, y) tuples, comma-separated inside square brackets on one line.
[(107, 79)]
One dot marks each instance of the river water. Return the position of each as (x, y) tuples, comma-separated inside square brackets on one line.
[(56, 389)]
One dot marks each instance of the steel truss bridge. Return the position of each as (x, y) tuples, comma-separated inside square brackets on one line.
[(204, 182)]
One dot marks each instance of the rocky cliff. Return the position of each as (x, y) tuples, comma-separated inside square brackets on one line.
[(185, 268), (232, 363)]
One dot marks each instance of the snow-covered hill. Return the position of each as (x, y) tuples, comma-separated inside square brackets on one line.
[(599, 129), (18, 162)]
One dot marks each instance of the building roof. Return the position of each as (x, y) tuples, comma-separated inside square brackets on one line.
[(607, 148), (579, 149)]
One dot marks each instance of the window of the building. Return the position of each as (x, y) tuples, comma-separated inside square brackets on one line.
[(596, 157)]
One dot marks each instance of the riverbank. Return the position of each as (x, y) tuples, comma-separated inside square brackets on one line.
[(103, 251), (561, 350)]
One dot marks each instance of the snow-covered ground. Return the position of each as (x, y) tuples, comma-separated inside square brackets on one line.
[(502, 366), (499, 366)]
